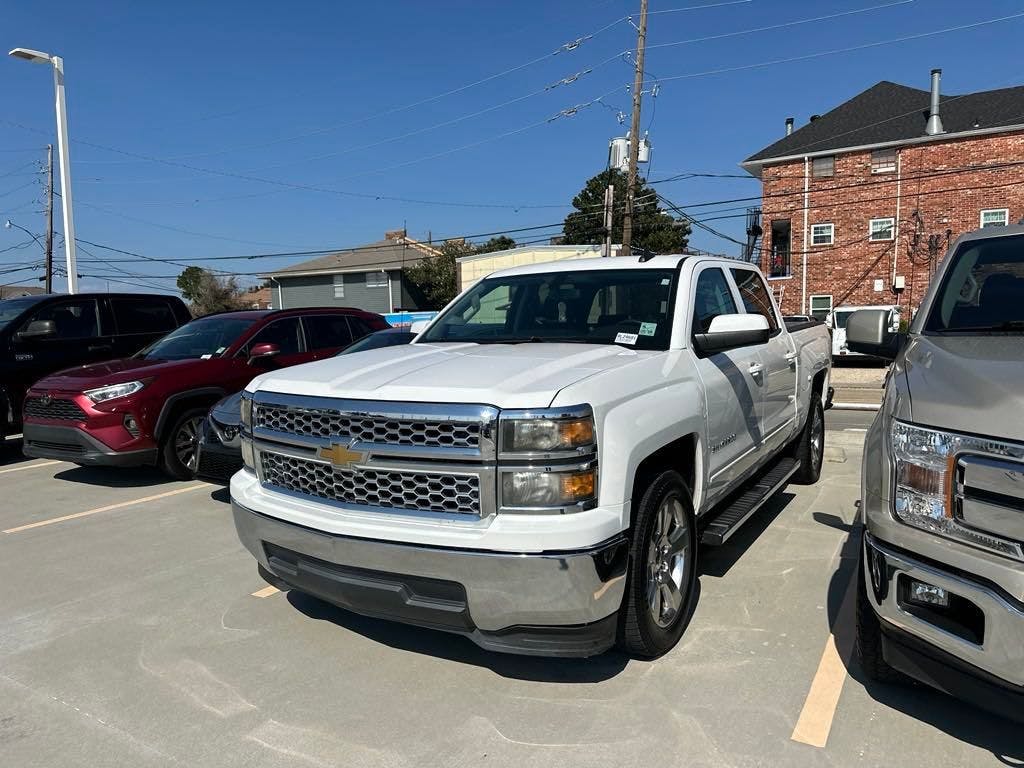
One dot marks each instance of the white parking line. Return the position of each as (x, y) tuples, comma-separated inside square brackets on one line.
[(29, 466), (107, 508)]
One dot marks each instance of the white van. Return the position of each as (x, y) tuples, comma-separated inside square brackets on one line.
[(838, 318)]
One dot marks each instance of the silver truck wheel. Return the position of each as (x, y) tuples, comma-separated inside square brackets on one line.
[(668, 566)]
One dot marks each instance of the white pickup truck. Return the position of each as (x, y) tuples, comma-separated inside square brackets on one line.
[(537, 469)]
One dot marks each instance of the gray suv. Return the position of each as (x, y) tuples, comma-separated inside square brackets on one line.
[(941, 596)]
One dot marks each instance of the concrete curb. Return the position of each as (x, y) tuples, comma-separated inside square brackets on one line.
[(856, 406)]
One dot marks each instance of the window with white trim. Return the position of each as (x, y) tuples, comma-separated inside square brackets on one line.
[(339, 286), (376, 279), (881, 229), (821, 305), (883, 161), (823, 167), (823, 234), (995, 217)]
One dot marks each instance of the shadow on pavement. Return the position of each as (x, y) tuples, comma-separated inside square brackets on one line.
[(459, 649), (115, 477), (717, 561), (222, 494), (10, 452), (959, 719)]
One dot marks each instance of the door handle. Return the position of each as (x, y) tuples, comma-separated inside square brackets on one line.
[(756, 369)]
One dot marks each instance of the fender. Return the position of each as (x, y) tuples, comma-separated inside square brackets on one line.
[(170, 402)]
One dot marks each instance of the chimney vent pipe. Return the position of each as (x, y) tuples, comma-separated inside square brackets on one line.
[(789, 126), (934, 126)]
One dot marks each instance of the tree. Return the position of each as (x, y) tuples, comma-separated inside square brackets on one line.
[(653, 229), (188, 282), (209, 292), (500, 243), (436, 277)]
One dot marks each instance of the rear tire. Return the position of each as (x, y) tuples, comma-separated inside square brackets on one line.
[(809, 447), (178, 453), (869, 635), (662, 571)]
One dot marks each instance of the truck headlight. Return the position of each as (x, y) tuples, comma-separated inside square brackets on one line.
[(246, 410), (925, 484), (547, 431), (533, 489), (109, 392), (248, 454)]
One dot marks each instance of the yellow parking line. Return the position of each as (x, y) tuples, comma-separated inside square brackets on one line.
[(266, 592), (107, 508), (815, 721), (29, 466)]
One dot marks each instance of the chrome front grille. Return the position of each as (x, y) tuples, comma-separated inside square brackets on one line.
[(59, 408), (378, 429), (364, 487), (990, 495)]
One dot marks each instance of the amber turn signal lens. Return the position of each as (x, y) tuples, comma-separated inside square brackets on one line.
[(579, 485), (578, 432)]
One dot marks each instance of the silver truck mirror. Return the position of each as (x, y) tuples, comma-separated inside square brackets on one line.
[(868, 332)]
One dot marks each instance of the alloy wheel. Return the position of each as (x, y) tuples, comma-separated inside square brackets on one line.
[(186, 441), (668, 562)]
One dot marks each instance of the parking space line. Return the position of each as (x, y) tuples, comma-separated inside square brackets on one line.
[(815, 721), (29, 466), (108, 508), (266, 592)]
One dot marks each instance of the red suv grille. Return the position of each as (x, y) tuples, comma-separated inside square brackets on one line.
[(44, 408)]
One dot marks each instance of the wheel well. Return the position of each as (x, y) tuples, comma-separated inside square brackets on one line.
[(173, 408), (680, 455), (818, 384)]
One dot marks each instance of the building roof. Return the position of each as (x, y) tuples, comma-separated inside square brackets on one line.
[(892, 113), (14, 291), (393, 252)]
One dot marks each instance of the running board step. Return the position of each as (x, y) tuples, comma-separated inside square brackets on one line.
[(739, 510)]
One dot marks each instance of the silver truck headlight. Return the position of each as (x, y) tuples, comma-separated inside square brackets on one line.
[(547, 431), (925, 483), (533, 489)]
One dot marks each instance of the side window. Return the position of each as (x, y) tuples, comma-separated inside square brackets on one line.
[(327, 331), (755, 296), (713, 298), (359, 327), (284, 333), (74, 319), (142, 316)]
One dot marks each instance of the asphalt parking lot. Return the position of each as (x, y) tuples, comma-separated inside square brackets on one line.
[(135, 631)]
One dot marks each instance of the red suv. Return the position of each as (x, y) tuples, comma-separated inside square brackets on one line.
[(149, 409)]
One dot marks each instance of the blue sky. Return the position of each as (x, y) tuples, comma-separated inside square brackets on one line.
[(311, 94)]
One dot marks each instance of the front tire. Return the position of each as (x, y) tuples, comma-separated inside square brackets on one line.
[(809, 447), (662, 575), (178, 452)]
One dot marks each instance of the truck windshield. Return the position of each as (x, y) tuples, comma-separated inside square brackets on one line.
[(11, 309), (983, 289), (630, 307), (202, 338)]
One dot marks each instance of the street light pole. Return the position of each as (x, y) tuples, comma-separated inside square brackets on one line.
[(64, 155)]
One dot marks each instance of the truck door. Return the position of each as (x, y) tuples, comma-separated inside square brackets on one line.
[(733, 383), (779, 358)]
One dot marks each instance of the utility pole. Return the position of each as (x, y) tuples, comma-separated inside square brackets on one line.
[(634, 130), (609, 203), (49, 218)]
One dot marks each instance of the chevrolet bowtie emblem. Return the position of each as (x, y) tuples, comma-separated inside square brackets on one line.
[(340, 456)]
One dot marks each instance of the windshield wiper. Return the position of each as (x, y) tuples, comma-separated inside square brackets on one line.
[(1005, 326)]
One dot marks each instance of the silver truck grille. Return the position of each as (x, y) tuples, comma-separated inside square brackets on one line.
[(425, 491), (379, 429)]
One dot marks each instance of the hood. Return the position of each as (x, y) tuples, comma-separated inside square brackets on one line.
[(966, 384), (504, 375), (111, 372)]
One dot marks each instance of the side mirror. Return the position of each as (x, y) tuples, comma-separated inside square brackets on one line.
[(868, 331), (263, 352), (38, 329), (732, 331)]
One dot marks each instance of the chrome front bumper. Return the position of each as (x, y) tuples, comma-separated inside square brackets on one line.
[(1001, 650), (562, 603)]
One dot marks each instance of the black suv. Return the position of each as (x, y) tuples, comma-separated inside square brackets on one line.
[(43, 334)]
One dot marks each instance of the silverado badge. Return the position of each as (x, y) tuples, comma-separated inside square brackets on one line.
[(340, 456)]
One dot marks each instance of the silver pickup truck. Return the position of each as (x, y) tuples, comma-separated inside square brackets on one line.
[(941, 593)]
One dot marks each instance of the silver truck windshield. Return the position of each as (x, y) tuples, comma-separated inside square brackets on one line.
[(631, 307), (983, 289)]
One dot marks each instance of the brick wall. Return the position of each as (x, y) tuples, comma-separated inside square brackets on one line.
[(933, 210)]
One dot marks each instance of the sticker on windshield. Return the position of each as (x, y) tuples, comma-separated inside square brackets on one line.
[(625, 338), (205, 357), (648, 329), (665, 281), (220, 350)]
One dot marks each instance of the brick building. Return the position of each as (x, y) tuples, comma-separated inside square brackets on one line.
[(869, 195)]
